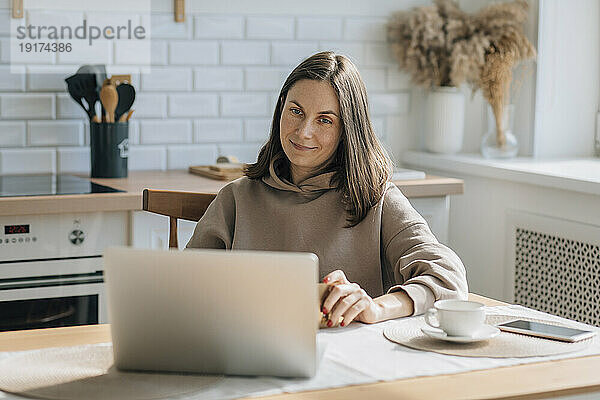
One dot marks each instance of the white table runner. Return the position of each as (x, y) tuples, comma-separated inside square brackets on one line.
[(361, 354)]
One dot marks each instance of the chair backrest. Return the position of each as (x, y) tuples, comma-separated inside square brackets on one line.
[(176, 205)]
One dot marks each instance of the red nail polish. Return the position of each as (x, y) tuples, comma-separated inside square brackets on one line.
[(329, 323), (324, 310), (325, 280), (343, 324)]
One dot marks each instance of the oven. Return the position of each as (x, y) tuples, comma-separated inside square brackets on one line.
[(51, 270)]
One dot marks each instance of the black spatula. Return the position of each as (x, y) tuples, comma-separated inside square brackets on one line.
[(126, 98), (83, 86)]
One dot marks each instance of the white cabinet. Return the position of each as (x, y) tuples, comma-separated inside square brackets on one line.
[(151, 231), (436, 211)]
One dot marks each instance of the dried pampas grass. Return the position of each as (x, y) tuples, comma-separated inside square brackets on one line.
[(440, 45)]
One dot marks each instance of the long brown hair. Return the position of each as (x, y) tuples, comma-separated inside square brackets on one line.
[(362, 165)]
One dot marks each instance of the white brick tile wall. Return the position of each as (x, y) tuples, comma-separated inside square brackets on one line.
[(12, 133), (246, 153), (40, 57), (398, 80), (218, 78), (5, 16), (111, 18), (379, 126), (159, 52), (391, 103), (276, 28), (55, 133), (211, 90), (73, 159), (54, 18), (165, 131), (134, 132), (147, 158), (374, 78), (4, 50), (257, 130), (150, 105), (34, 106), (354, 51), (167, 78), (27, 161), (194, 52), (182, 157), (324, 28), (48, 79), (133, 52), (239, 52), (266, 78), (399, 135), (163, 26), (291, 53), (243, 105), (86, 134), (219, 27), (365, 29), (66, 107), (12, 80), (378, 54), (213, 130), (193, 105), (100, 52)]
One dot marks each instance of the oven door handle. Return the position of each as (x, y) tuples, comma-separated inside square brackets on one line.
[(50, 267), (51, 281)]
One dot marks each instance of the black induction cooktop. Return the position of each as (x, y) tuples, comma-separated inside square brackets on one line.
[(48, 184)]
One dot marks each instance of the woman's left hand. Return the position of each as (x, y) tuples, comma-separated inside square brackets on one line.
[(348, 300)]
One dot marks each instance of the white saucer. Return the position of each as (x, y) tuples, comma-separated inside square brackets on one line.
[(485, 333)]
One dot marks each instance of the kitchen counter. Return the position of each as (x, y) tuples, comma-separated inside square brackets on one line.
[(181, 180)]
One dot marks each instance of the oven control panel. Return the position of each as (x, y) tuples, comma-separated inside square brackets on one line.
[(34, 237)]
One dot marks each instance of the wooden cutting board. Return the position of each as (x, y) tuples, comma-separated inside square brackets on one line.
[(228, 173)]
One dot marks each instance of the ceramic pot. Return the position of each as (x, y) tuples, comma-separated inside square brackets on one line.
[(445, 120)]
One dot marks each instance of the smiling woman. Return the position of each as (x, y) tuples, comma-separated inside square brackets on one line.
[(321, 184)]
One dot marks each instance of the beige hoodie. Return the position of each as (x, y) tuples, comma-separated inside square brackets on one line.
[(391, 249)]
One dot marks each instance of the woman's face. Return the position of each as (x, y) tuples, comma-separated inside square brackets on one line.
[(310, 127)]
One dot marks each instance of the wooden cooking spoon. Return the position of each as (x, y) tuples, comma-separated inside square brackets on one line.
[(109, 98)]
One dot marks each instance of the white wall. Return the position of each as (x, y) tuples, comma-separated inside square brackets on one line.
[(568, 87), (213, 84)]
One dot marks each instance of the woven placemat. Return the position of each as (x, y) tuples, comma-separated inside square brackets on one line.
[(408, 333), (86, 372)]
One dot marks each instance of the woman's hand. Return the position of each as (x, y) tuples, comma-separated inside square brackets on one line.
[(349, 300)]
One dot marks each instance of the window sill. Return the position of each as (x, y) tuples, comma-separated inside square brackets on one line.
[(573, 174)]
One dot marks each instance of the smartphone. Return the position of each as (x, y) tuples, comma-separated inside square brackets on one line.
[(545, 330)]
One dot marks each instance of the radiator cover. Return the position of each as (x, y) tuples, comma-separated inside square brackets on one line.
[(556, 266)]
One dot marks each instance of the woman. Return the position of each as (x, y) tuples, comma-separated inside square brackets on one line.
[(321, 184)]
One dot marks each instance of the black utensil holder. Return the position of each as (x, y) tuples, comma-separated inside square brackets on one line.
[(109, 148)]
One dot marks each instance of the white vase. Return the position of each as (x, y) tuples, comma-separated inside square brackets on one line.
[(445, 120)]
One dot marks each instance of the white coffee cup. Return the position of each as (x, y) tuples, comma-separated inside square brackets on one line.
[(456, 317)]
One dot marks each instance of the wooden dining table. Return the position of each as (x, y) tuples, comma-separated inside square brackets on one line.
[(540, 380)]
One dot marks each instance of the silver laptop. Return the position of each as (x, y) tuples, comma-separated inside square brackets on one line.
[(213, 311)]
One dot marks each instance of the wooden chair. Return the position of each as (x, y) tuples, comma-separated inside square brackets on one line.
[(176, 205)]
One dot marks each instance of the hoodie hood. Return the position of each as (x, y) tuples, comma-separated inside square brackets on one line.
[(277, 180)]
